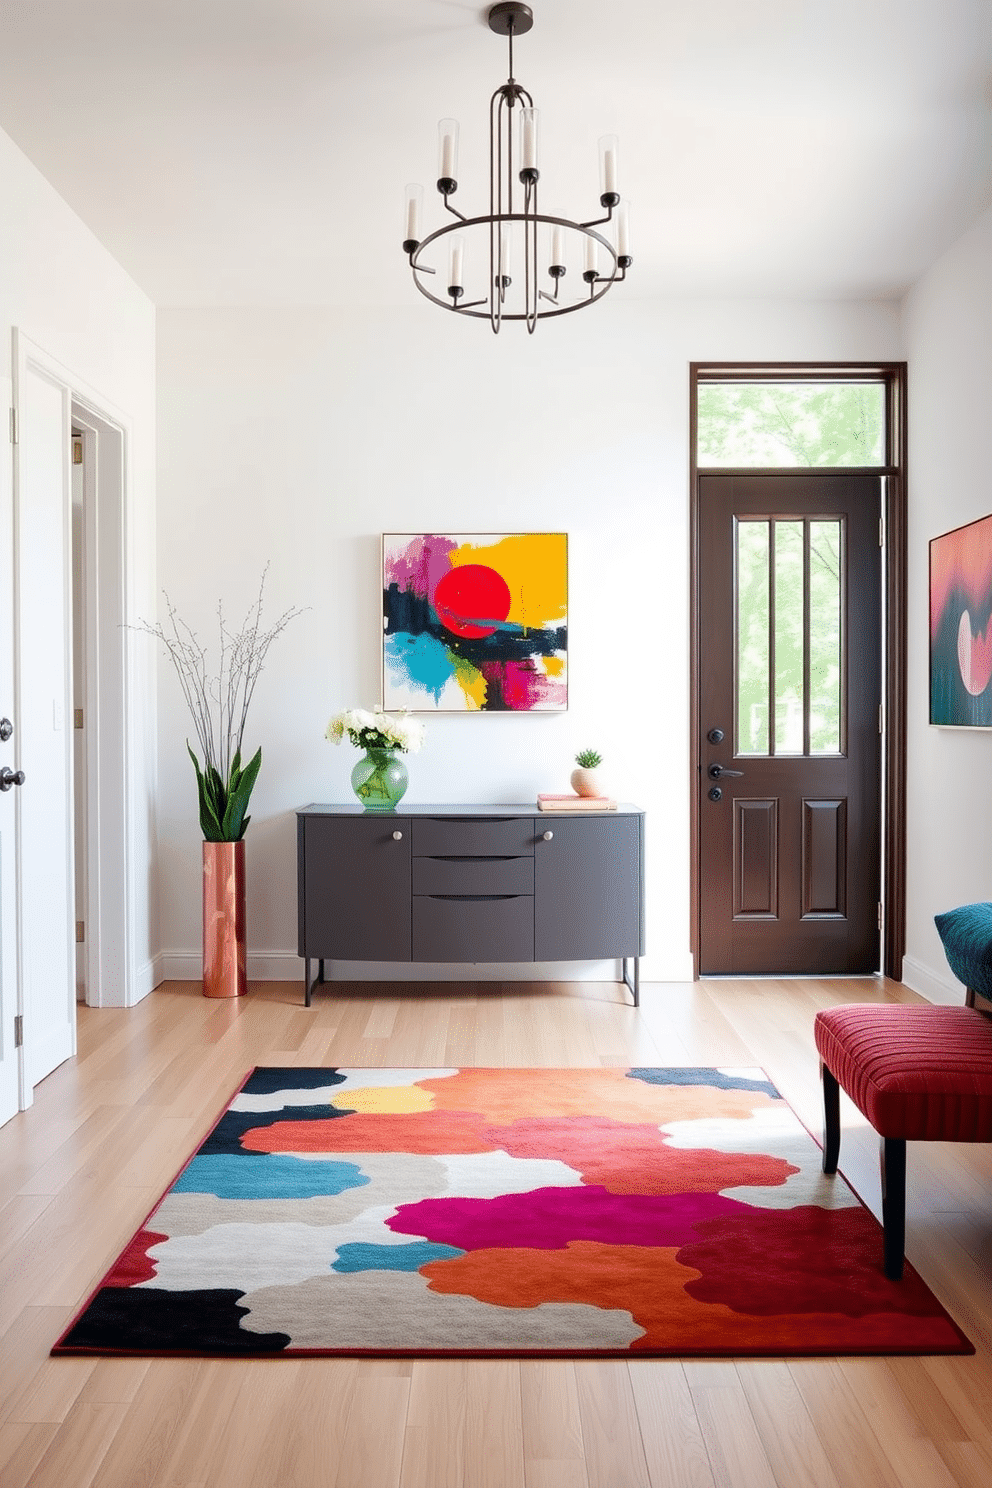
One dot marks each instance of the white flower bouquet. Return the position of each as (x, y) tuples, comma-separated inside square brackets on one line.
[(376, 730)]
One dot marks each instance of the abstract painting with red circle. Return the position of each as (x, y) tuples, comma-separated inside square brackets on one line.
[(475, 622), (961, 626)]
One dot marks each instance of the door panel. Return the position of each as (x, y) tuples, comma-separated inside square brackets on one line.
[(357, 887), (43, 661), (587, 887), (755, 858), (9, 1072), (790, 685)]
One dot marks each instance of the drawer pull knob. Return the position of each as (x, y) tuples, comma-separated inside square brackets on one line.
[(397, 836), (548, 836)]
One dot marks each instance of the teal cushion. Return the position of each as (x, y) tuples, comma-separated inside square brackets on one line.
[(966, 934)]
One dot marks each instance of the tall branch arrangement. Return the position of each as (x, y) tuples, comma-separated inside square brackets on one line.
[(218, 703)]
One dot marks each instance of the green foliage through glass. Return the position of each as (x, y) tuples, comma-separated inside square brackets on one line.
[(776, 602), (790, 424)]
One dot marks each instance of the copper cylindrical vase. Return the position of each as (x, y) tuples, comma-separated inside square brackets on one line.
[(224, 951)]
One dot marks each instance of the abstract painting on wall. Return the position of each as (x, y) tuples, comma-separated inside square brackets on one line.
[(475, 622), (961, 626)]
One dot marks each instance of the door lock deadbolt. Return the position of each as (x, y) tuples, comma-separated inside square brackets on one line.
[(715, 793), (715, 736), (6, 729)]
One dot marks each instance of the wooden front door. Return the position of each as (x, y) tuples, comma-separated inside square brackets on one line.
[(789, 769)]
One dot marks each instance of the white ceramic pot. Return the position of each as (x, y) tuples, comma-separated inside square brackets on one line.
[(586, 782)]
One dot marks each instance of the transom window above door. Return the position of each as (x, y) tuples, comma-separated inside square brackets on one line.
[(774, 424)]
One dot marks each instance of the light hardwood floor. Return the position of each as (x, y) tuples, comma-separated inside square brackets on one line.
[(79, 1171)]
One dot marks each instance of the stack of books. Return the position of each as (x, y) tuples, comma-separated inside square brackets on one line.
[(572, 802)]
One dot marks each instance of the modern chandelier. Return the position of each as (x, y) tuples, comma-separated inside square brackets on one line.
[(514, 236)]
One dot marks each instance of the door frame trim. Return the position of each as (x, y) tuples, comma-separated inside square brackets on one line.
[(893, 376)]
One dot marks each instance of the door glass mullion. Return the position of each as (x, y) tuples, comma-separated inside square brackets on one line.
[(788, 629), (770, 745)]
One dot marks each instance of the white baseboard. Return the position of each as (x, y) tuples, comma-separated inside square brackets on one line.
[(935, 986), (146, 979), (263, 966)]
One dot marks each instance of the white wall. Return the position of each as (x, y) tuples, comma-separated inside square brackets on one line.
[(299, 438), (947, 335), (63, 290)]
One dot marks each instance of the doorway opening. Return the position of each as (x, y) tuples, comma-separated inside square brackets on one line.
[(800, 627), (99, 707)]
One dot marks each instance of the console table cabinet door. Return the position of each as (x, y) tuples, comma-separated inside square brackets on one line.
[(587, 888), (357, 888)]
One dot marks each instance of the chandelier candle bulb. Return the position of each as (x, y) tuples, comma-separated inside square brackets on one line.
[(455, 265), (414, 201), (528, 144), (623, 234), (592, 259), (447, 133), (608, 170), (504, 258), (557, 248)]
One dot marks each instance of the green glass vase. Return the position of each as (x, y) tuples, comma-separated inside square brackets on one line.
[(379, 779)]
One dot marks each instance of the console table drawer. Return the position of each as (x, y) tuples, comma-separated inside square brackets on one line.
[(469, 929), (473, 875), (473, 837)]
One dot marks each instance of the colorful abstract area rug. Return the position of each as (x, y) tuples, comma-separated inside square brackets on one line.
[(564, 1212)]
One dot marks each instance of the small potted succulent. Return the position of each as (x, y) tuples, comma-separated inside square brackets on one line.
[(584, 780)]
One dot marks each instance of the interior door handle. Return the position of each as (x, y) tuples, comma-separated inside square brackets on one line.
[(716, 772), (9, 777)]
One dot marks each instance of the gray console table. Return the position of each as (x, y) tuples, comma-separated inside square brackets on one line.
[(472, 884)]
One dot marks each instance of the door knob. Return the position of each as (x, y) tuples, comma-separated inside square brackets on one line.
[(717, 772), (547, 836), (6, 729), (9, 777), (397, 836)]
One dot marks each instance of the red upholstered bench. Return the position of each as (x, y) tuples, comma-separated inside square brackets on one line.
[(919, 1074)]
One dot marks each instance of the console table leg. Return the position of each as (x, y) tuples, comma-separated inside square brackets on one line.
[(317, 981), (635, 985)]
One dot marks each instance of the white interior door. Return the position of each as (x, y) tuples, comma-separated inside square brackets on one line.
[(42, 667), (9, 1082)]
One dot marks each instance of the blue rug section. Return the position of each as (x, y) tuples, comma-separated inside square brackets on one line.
[(360, 1256), (270, 1175), (701, 1075)]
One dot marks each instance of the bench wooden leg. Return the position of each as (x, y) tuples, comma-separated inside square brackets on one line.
[(893, 1158), (831, 1119)]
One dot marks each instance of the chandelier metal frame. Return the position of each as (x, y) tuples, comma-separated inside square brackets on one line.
[(510, 19)]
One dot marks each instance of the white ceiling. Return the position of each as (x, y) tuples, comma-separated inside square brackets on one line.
[(255, 152)]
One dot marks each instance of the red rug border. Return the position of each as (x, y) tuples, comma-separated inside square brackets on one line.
[(57, 1350)]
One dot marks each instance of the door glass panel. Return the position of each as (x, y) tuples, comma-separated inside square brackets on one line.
[(753, 637), (774, 424), (825, 650), (789, 630)]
